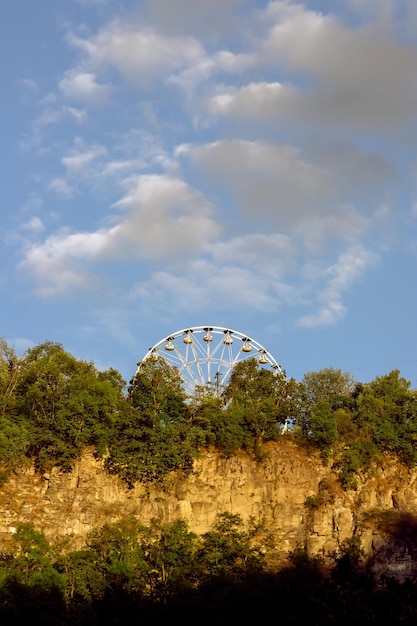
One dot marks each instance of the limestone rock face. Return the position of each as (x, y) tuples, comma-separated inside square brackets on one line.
[(293, 492)]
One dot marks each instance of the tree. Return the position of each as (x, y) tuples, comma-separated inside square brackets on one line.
[(386, 413), (330, 386), (227, 549), (14, 437), (152, 436), (83, 580), (155, 561), (323, 428), (258, 398), (66, 404), (400, 403), (10, 368), (383, 418), (171, 556), (118, 556), (33, 559), (142, 452), (327, 384), (156, 391), (206, 413)]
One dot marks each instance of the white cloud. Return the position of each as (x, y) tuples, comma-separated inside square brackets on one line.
[(55, 264), (306, 81), (259, 100), (204, 68), (193, 75), (34, 225), (170, 219), (162, 218), (338, 278), (33, 203), (143, 147), (147, 51), (117, 168), (82, 86), (228, 61), (50, 115), (79, 115), (273, 255), (82, 157), (361, 77), (229, 287), (251, 271), (100, 167), (336, 75), (29, 87), (206, 18), (142, 55), (28, 83), (273, 185), (267, 178), (61, 187)]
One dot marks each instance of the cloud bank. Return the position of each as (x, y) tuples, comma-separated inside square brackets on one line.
[(257, 160)]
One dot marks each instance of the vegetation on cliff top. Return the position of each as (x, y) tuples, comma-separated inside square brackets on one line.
[(53, 405)]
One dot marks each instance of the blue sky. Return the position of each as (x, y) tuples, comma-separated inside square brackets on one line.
[(245, 164)]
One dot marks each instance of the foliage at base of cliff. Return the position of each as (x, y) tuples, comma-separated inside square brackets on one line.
[(53, 405), (130, 574)]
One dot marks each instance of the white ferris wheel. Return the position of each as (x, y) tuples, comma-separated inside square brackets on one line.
[(205, 355)]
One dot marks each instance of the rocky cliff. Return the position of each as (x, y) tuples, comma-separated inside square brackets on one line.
[(297, 496)]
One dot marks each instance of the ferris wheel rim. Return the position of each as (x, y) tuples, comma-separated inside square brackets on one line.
[(214, 329), (196, 360)]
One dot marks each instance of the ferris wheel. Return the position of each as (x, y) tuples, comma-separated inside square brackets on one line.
[(206, 355)]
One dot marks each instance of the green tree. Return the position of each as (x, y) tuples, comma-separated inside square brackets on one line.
[(66, 403), (14, 444), (323, 426), (228, 429), (140, 451), (33, 560), (206, 410), (323, 402), (227, 550), (171, 556), (84, 581), (10, 369), (386, 413), (381, 419), (259, 399), (119, 556), (157, 393), (327, 384), (152, 436), (14, 437)]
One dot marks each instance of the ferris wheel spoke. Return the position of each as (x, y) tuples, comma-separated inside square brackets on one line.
[(197, 364), (186, 366), (231, 365), (206, 355), (224, 361)]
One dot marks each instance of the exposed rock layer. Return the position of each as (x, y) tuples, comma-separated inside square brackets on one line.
[(297, 496)]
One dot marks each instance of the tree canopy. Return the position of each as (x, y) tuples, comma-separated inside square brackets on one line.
[(53, 405)]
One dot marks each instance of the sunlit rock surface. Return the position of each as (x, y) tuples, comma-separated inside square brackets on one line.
[(296, 495)]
